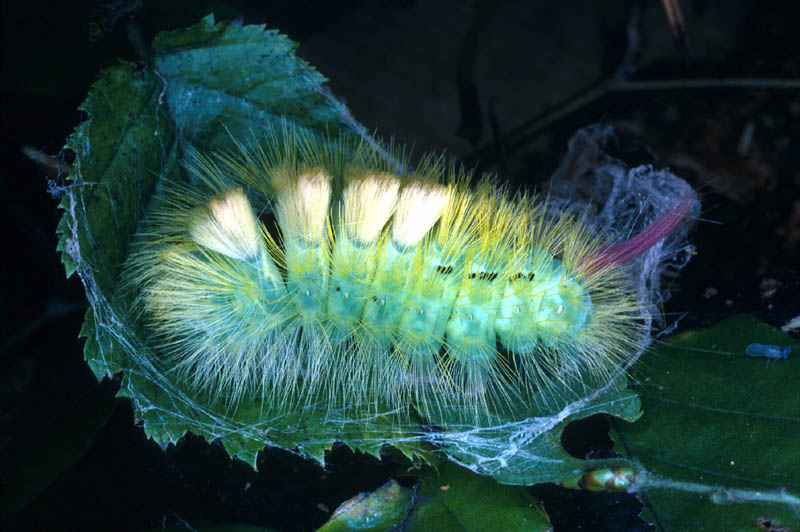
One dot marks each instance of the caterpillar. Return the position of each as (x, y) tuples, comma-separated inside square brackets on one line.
[(303, 270)]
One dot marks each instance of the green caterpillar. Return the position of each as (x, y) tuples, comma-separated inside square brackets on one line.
[(306, 270)]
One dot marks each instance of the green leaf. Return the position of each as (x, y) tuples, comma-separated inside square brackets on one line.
[(212, 85), (716, 418), (228, 81), (453, 499), (115, 171), (371, 512), (459, 500)]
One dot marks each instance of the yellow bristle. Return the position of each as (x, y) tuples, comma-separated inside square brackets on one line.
[(456, 228), (369, 202), (494, 219), (419, 207), (228, 226)]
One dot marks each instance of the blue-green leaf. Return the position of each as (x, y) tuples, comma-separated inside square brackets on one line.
[(720, 438)]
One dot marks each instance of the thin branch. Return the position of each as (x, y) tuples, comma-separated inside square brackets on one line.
[(717, 494), (531, 129)]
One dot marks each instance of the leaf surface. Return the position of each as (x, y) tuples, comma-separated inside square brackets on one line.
[(458, 500), (717, 418)]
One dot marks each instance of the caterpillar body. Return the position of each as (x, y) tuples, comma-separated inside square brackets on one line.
[(303, 271)]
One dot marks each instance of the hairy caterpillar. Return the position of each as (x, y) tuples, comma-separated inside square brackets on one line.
[(305, 270)]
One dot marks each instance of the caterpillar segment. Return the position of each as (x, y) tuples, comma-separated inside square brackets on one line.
[(301, 208), (376, 287)]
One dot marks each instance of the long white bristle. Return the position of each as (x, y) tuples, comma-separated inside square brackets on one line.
[(303, 208), (369, 202), (228, 226)]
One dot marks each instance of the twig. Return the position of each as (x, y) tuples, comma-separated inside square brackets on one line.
[(717, 494), (709, 83), (522, 135)]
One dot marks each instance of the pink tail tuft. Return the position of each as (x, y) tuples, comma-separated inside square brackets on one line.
[(633, 247)]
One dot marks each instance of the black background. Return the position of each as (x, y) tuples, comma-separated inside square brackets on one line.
[(747, 243)]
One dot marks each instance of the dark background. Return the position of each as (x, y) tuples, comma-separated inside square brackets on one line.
[(468, 77)]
